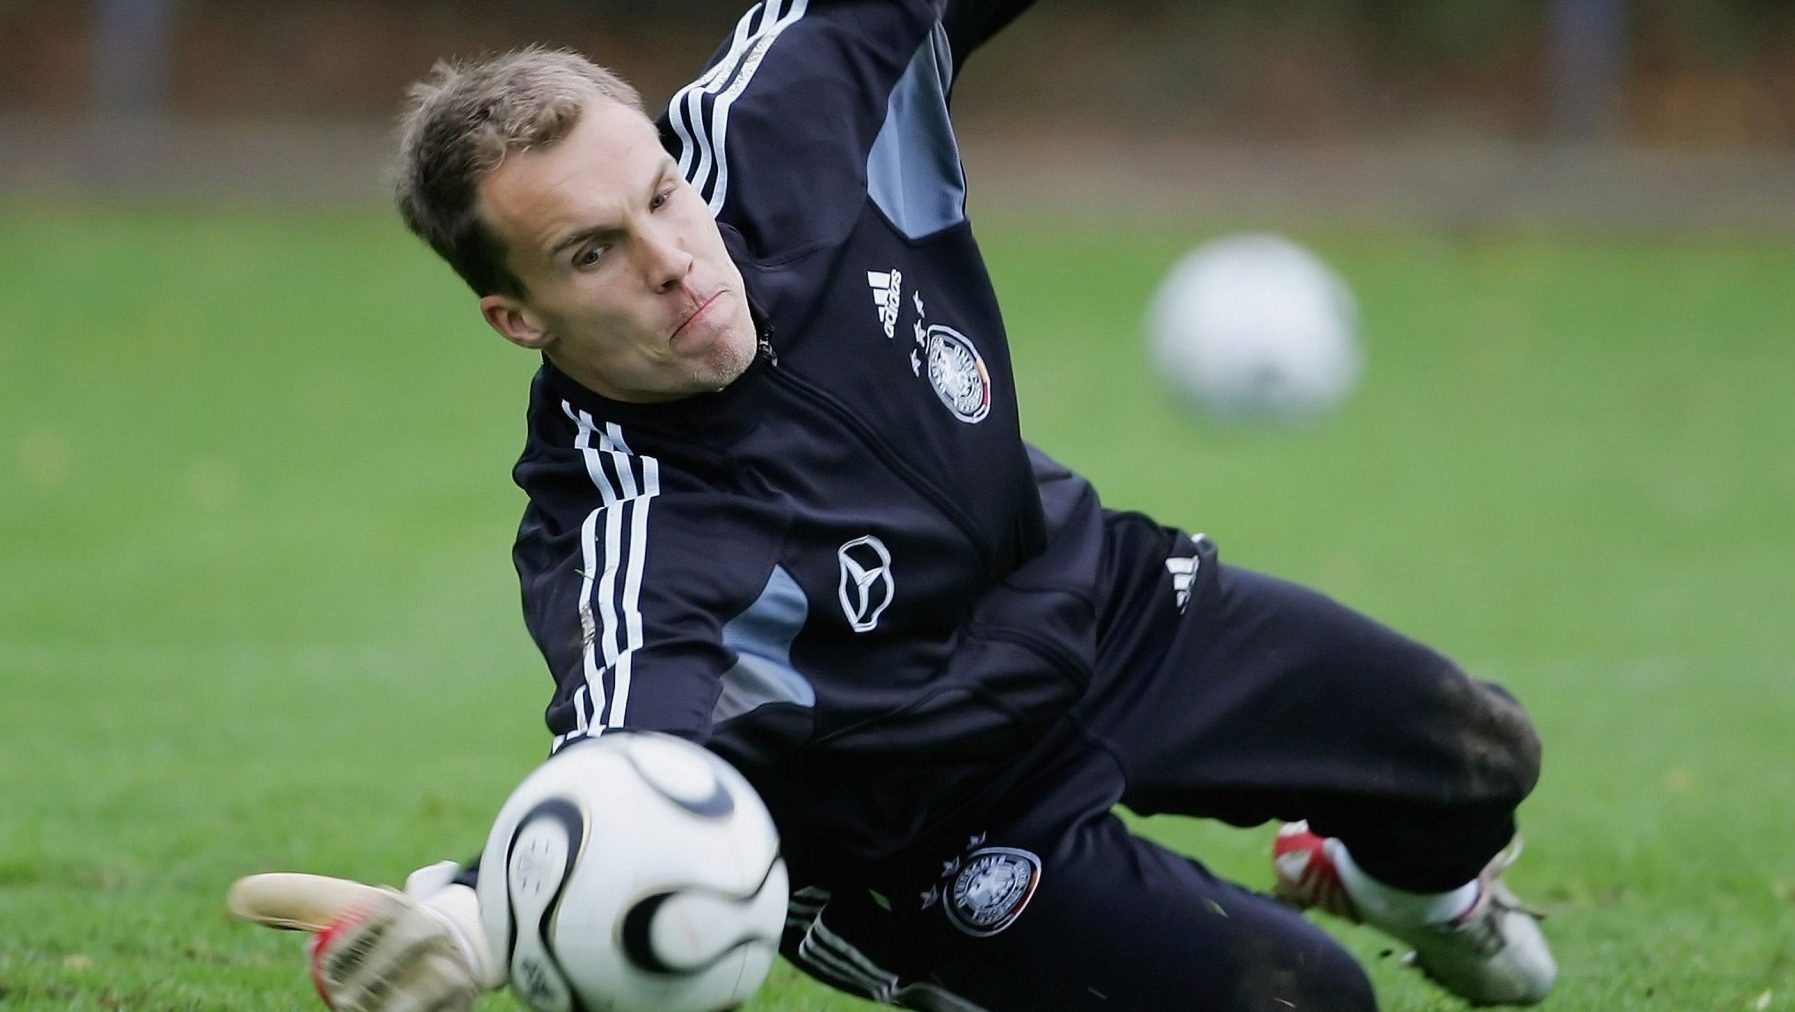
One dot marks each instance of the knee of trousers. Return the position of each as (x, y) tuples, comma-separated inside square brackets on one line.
[(1330, 979), (1352, 991), (1496, 745)]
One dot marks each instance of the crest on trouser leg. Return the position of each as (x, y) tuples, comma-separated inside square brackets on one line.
[(989, 889)]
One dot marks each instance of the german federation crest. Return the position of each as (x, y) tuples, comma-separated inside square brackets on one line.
[(993, 886), (958, 374)]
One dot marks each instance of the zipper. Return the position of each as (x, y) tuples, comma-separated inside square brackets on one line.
[(848, 420)]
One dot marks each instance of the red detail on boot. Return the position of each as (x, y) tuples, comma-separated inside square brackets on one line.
[(1306, 877)]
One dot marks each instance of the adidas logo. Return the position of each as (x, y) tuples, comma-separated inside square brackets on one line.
[(1184, 572), (888, 296)]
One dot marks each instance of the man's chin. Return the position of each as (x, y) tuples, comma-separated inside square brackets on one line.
[(729, 359), (727, 372)]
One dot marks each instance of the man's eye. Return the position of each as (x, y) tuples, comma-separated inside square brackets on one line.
[(661, 198), (588, 257)]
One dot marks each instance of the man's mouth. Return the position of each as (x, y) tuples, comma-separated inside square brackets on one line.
[(703, 307)]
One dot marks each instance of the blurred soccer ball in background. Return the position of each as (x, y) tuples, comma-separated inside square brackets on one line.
[(633, 873), (1256, 327)]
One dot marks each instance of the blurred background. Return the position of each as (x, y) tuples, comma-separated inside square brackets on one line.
[(1643, 112)]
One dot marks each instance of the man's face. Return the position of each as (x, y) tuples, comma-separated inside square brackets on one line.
[(628, 286)]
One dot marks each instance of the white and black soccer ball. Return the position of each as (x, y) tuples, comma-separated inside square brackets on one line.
[(633, 872), (1255, 326)]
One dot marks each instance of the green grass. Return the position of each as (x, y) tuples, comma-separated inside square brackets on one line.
[(257, 611)]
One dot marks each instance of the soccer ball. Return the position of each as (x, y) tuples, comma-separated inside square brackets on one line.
[(1256, 326), (633, 871)]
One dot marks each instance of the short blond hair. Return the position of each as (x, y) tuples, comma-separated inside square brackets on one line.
[(463, 120)]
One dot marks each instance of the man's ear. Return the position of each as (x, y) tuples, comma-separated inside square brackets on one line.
[(514, 322)]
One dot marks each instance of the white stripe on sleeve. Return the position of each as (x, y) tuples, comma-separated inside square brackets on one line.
[(702, 159), (684, 111), (616, 632), (588, 629)]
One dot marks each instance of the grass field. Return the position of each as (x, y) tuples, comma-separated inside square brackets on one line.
[(257, 608)]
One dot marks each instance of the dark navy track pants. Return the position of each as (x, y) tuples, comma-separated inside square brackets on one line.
[(1220, 693)]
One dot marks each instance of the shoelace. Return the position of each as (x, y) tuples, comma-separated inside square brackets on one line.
[(1482, 923)]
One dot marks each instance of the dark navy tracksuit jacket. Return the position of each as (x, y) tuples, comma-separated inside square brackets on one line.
[(846, 572)]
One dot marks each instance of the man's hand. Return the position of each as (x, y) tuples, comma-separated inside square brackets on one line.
[(392, 954), (377, 949)]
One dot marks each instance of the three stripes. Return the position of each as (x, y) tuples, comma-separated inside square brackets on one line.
[(612, 558), (829, 957), (611, 570), (699, 112)]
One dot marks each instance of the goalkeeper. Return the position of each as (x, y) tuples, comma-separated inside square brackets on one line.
[(780, 503)]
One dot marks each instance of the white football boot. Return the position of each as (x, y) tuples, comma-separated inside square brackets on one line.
[(1489, 952)]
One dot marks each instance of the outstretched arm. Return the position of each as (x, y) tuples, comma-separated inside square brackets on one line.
[(374, 948), (626, 586), (807, 98)]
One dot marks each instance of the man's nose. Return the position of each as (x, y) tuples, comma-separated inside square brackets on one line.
[(666, 261)]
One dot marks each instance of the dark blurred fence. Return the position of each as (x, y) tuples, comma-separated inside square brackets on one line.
[(1612, 113), (1656, 72)]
